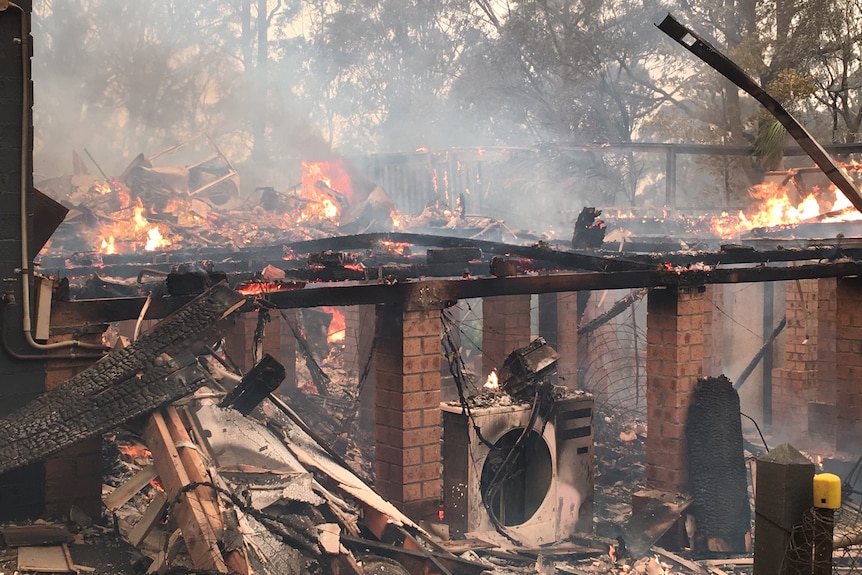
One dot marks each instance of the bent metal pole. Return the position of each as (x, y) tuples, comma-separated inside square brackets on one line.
[(730, 70)]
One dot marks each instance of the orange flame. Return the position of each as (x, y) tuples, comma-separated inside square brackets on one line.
[(322, 184), (108, 246), (337, 325), (775, 207), (492, 382), (137, 232)]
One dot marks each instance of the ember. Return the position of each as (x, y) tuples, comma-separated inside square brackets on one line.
[(133, 451), (258, 288)]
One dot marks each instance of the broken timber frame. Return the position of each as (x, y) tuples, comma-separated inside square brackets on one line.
[(730, 70), (127, 383)]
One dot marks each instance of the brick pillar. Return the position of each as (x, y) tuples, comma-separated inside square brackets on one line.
[(794, 384), (674, 362), (74, 475), (821, 410), (558, 324), (407, 415), (239, 340), (713, 329), (287, 348), (360, 323), (848, 368), (505, 328)]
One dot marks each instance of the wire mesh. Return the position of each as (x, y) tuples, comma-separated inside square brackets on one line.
[(844, 528)]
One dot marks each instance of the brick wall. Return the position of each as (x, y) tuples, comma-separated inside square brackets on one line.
[(22, 490), (505, 328), (794, 384), (360, 323), (407, 415), (674, 362), (848, 365), (287, 348)]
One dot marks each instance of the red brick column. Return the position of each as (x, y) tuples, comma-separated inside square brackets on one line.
[(821, 407), (713, 328), (505, 328), (848, 369), (287, 348), (360, 323), (238, 342), (558, 324), (674, 362), (794, 384), (407, 416)]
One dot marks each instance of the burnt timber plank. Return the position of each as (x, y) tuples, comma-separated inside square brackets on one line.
[(145, 524), (118, 497), (188, 325), (430, 294), (354, 293), (585, 260), (192, 516), (69, 419)]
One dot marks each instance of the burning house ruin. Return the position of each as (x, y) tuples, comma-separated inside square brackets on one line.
[(196, 328)]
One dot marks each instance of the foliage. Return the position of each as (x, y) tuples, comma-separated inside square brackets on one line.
[(272, 79)]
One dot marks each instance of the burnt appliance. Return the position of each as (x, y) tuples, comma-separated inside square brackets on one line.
[(545, 492)]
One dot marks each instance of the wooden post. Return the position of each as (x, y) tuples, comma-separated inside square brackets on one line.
[(784, 492)]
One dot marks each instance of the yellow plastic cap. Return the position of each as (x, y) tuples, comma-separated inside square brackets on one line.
[(827, 491)]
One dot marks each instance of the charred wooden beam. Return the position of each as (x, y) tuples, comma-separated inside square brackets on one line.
[(616, 309), (255, 386), (745, 253), (570, 259), (127, 383), (730, 70), (430, 294), (62, 417)]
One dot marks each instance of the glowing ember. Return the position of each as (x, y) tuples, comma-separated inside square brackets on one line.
[(337, 325), (102, 188), (133, 451), (261, 288), (491, 382), (400, 248)]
